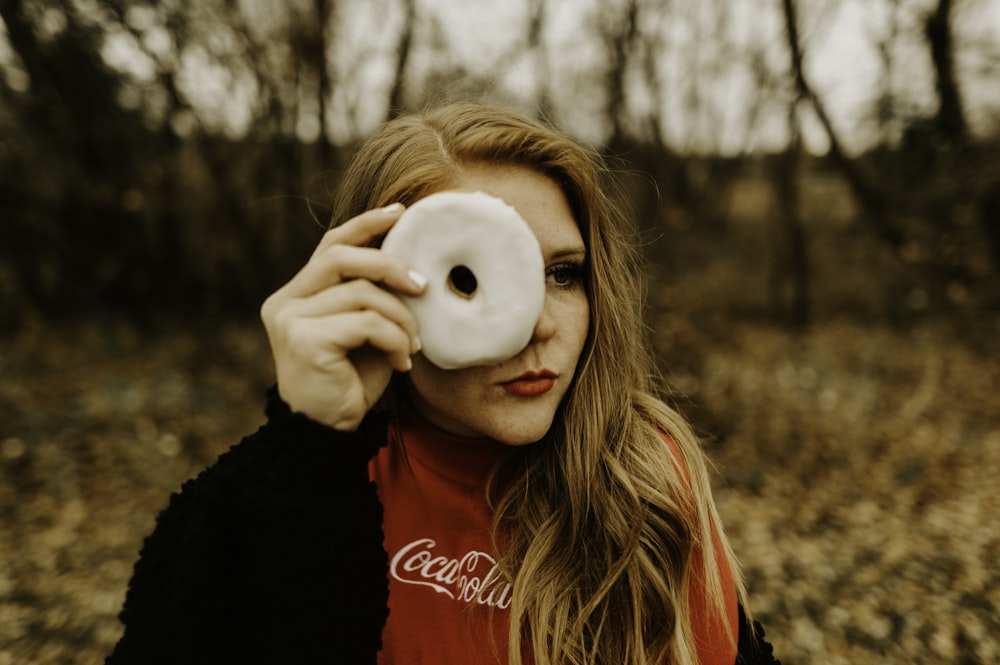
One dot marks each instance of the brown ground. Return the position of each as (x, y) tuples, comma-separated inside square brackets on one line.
[(858, 474)]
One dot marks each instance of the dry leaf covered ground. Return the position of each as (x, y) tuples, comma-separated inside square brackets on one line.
[(859, 488), (857, 478)]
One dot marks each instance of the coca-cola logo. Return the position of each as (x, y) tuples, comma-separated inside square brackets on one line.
[(472, 578)]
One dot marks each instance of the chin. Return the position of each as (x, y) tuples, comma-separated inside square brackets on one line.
[(517, 442), (524, 432)]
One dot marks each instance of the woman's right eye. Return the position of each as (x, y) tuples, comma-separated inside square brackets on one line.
[(565, 275)]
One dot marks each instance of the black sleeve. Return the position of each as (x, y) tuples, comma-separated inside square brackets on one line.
[(273, 554), (753, 649)]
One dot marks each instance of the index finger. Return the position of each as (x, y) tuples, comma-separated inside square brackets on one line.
[(360, 230), (342, 263)]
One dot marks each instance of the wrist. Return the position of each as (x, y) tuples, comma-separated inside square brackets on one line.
[(364, 436)]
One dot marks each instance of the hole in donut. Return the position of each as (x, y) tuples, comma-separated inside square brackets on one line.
[(462, 281)]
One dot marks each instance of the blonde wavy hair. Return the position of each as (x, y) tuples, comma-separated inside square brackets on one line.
[(595, 527)]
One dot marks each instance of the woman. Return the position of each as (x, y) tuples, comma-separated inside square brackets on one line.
[(547, 509)]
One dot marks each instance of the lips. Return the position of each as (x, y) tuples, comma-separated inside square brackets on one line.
[(531, 384)]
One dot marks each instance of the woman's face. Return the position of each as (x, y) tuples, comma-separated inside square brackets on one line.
[(489, 401)]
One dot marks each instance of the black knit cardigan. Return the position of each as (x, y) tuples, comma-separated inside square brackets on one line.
[(274, 555)]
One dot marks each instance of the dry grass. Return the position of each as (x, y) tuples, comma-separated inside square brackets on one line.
[(858, 479), (98, 425), (859, 473)]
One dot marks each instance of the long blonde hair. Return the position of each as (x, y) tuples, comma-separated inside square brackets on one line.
[(595, 527)]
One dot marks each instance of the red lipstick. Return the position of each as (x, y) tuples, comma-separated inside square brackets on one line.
[(531, 384)]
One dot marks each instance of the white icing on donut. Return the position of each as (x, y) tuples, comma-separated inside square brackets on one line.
[(448, 230)]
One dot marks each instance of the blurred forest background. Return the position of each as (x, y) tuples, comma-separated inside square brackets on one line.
[(823, 233)]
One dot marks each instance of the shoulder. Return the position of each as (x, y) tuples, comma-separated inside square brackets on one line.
[(753, 649)]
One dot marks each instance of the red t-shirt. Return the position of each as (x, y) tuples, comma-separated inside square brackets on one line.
[(437, 534)]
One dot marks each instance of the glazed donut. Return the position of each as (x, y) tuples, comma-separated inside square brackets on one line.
[(485, 277)]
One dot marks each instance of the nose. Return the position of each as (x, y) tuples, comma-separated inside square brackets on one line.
[(545, 327)]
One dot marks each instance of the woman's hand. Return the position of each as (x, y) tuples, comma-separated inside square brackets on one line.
[(336, 336)]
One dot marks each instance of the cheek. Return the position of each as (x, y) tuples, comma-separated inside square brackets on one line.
[(425, 378), (436, 385), (576, 318)]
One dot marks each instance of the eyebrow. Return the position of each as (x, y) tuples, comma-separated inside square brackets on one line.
[(568, 252)]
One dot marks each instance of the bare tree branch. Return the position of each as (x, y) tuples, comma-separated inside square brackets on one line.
[(870, 198)]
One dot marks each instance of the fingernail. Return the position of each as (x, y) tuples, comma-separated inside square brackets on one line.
[(392, 208), (409, 364), (418, 280), (417, 345)]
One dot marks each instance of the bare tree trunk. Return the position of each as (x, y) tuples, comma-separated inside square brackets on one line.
[(619, 39), (950, 120), (324, 14), (789, 269), (536, 46), (869, 197), (403, 48)]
